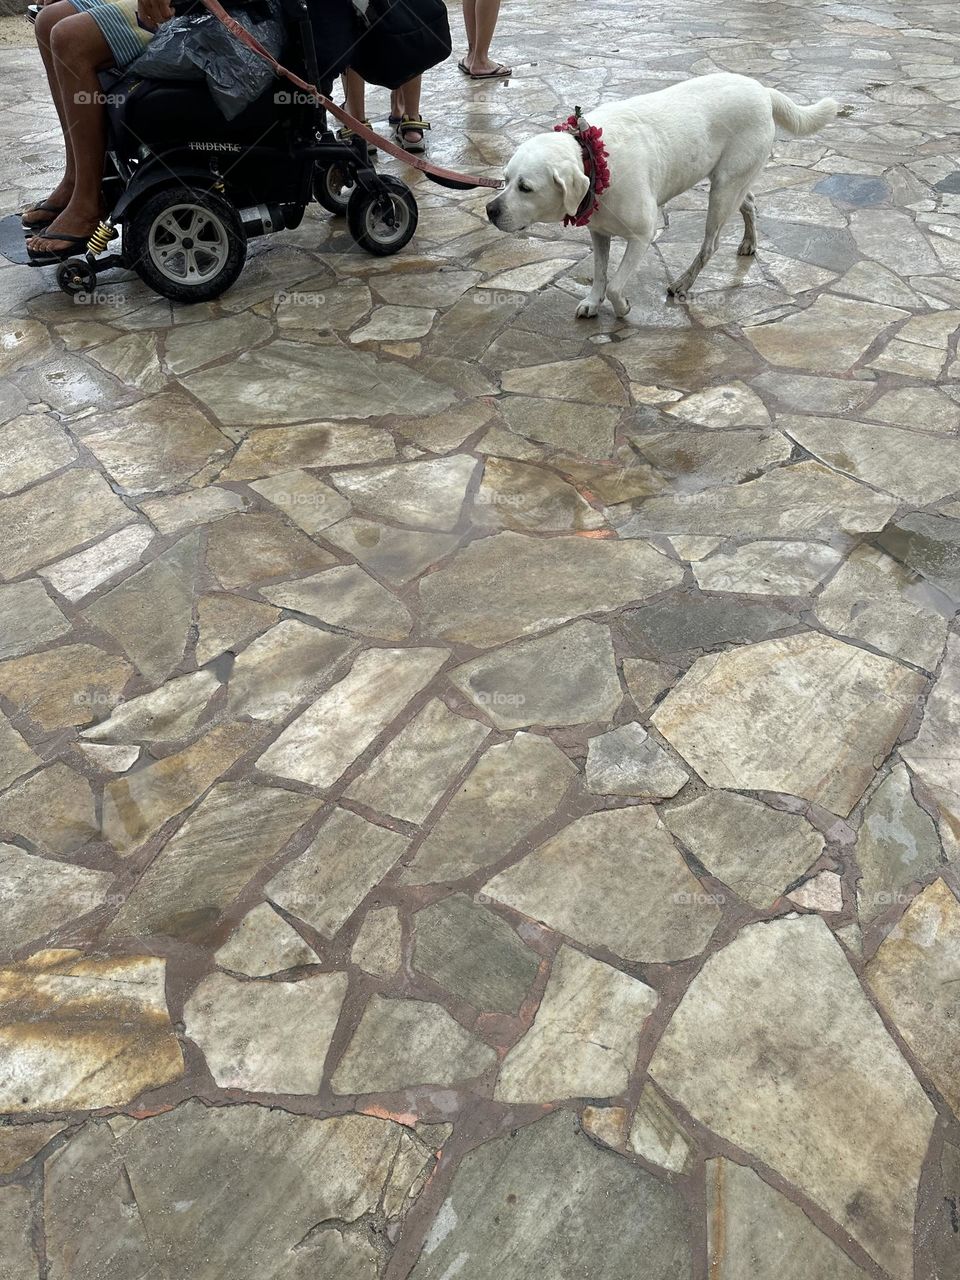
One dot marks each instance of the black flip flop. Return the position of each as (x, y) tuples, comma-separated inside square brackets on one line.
[(50, 256), (500, 72), (40, 208)]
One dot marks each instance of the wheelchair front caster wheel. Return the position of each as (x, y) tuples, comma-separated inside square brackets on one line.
[(333, 187), (76, 276), (383, 219)]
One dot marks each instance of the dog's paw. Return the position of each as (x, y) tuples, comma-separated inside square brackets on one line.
[(746, 248), (587, 309), (677, 290), (621, 305)]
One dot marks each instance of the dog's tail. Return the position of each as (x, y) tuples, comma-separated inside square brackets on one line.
[(801, 121)]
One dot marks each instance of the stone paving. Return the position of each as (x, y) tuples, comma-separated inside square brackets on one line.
[(480, 790)]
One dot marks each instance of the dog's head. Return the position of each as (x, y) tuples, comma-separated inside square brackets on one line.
[(543, 181)]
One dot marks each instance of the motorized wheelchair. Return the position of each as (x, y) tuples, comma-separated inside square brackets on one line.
[(186, 188)]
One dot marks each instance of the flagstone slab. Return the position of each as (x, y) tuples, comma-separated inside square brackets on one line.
[(584, 1038), (396, 554), (378, 947), (923, 408), (40, 895), (627, 762), (683, 622), (875, 599), (562, 425), (189, 346), (801, 500), (426, 494), (822, 892), (289, 1171), (325, 739), (55, 516), (688, 462), (110, 759), (829, 336), (30, 618), (807, 715), (228, 622), (408, 778), (756, 850), (400, 1044), (810, 393), (616, 880), (137, 805), (263, 944), (275, 383), (514, 787), (646, 680), (82, 573), (265, 1037), (184, 510), (17, 1233), (309, 502), (656, 1135), (515, 495), (20, 1143), (917, 467), (567, 677), (897, 844), (753, 1230), (511, 585), (916, 977), (333, 1253), (722, 406), (278, 450), (944, 1232), (83, 1031), (16, 757), (681, 358), (248, 548), (153, 445), (282, 668), (236, 830), (930, 544), (576, 1209), (473, 954), (590, 381), (150, 613), (892, 238), (53, 808), (31, 447), (325, 884), (768, 568), (764, 1024), (172, 711), (345, 597), (934, 754)]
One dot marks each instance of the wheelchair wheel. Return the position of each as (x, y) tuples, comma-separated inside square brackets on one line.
[(333, 187), (188, 246), (382, 221)]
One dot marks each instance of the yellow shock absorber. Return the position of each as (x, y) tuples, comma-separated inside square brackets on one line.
[(101, 238)]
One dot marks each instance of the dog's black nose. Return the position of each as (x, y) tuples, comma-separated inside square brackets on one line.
[(493, 210)]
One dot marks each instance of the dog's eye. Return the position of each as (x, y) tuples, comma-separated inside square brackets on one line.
[(524, 186)]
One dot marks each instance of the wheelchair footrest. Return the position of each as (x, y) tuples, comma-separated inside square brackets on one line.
[(13, 240)]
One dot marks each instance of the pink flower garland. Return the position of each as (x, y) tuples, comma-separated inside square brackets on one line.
[(590, 138)]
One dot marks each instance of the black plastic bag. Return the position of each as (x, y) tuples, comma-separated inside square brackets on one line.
[(197, 46), (400, 39)]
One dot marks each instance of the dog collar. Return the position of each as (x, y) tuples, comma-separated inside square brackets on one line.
[(594, 153)]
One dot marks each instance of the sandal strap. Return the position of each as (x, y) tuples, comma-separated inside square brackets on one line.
[(408, 122)]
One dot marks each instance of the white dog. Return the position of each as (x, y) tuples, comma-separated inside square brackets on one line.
[(658, 145)]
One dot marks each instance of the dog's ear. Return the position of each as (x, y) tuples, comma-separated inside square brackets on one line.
[(573, 183)]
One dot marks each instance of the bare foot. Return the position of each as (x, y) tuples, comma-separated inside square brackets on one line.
[(72, 222), (484, 67), (57, 200)]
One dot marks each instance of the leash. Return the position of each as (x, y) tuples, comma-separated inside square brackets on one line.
[(445, 177)]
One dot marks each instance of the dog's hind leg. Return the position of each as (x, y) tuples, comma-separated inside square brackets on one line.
[(725, 197), (617, 289), (601, 259), (748, 245)]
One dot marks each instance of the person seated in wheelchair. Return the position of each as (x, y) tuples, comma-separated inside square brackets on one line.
[(77, 39)]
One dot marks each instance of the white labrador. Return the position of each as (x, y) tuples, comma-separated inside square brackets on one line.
[(658, 145)]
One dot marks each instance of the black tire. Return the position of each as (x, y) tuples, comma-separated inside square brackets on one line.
[(333, 187), (188, 246), (383, 220)]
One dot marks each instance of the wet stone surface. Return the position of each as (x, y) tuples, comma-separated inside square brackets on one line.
[(433, 723)]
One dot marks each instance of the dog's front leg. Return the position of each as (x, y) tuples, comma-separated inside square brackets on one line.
[(601, 258), (617, 290)]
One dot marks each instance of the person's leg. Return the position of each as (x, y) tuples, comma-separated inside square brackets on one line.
[(78, 50), (47, 19), (470, 24), (485, 22), (408, 108), (355, 93)]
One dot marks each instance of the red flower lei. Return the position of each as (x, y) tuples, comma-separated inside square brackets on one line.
[(590, 138)]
